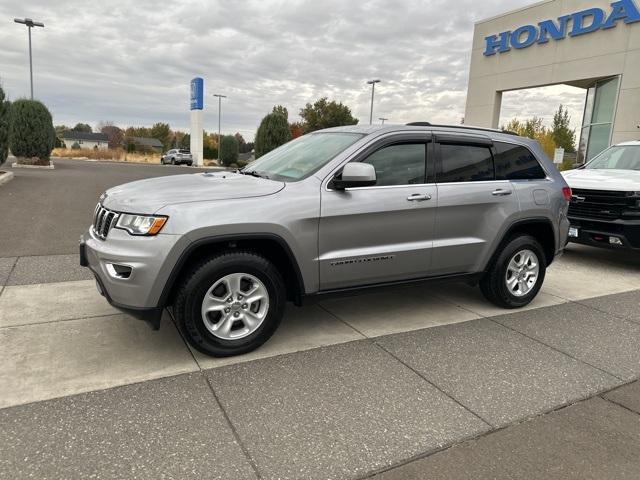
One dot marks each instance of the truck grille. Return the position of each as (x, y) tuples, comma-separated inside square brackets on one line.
[(602, 204), (103, 220)]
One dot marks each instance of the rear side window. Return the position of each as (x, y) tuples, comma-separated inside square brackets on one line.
[(514, 162), (402, 164), (465, 163)]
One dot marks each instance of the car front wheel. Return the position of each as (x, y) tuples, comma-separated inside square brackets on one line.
[(515, 276), (230, 304)]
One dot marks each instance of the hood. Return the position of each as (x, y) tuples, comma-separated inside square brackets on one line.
[(603, 179), (148, 196)]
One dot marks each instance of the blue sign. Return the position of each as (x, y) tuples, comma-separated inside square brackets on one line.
[(584, 21), (197, 94)]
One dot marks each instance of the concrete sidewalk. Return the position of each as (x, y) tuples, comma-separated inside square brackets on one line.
[(342, 411)]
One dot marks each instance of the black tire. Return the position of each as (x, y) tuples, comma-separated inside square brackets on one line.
[(191, 292), (189, 164), (493, 283), (173, 161)]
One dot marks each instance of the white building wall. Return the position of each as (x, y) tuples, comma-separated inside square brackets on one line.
[(85, 143), (572, 60)]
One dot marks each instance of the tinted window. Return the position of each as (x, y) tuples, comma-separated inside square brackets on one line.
[(514, 162), (465, 163), (402, 164)]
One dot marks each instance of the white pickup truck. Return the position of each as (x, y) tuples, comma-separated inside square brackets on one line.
[(605, 201)]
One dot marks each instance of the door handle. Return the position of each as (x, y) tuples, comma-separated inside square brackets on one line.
[(419, 197), (501, 192)]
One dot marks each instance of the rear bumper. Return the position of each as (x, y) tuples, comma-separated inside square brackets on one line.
[(597, 232)]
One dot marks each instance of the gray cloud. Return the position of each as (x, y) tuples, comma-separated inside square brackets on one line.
[(131, 62)]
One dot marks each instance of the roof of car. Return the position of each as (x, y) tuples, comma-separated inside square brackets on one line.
[(369, 129)]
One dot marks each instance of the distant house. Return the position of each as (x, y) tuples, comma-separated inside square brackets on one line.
[(144, 143), (84, 139)]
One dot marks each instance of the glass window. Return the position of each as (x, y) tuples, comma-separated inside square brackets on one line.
[(465, 163), (303, 156), (402, 164), (514, 162), (605, 103), (621, 157), (598, 139)]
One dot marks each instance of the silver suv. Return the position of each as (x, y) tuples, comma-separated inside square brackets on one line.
[(177, 157), (334, 211)]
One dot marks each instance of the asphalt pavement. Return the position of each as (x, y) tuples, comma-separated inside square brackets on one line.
[(44, 212), (415, 382)]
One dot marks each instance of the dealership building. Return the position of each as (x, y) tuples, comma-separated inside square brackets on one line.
[(594, 45)]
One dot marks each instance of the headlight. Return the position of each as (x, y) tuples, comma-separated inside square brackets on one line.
[(141, 224)]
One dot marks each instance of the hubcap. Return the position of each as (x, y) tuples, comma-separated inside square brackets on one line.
[(522, 273), (235, 306)]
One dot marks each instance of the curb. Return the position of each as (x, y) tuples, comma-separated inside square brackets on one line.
[(5, 177), (45, 167)]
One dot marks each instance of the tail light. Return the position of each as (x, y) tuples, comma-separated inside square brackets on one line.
[(566, 193)]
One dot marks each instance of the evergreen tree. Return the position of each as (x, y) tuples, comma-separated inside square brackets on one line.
[(4, 127), (563, 136), (31, 132), (272, 132)]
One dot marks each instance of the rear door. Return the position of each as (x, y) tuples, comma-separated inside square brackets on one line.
[(382, 233), (473, 206)]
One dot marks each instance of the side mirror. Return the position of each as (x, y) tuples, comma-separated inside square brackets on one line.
[(355, 174)]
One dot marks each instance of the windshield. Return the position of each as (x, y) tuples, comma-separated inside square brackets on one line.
[(622, 157), (303, 156)]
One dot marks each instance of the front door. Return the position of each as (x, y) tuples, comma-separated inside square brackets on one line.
[(383, 233)]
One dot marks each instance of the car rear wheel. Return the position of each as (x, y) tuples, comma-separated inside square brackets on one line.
[(230, 304), (515, 276), (173, 161)]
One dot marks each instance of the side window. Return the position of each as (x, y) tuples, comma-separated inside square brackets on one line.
[(514, 162), (465, 163), (402, 164)]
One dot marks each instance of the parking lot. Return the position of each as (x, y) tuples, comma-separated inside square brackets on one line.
[(372, 384)]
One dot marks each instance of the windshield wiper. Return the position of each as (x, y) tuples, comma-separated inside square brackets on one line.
[(253, 173)]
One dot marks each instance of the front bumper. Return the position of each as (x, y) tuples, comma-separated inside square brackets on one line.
[(598, 232), (136, 294)]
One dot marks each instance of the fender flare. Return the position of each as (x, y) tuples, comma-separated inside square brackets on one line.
[(217, 239)]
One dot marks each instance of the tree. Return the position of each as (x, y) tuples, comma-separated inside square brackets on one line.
[(242, 145), (228, 150), (281, 110), (533, 128), (82, 127), (185, 142), (31, 133), (162, 132), (296, 129), (272, 132), (114, 135), (325, 114), (563, 136), (5, 107)]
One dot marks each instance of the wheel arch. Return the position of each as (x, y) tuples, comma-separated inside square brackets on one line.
[(271, 246), (539, 228)]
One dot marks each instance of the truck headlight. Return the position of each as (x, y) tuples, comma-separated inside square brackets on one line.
[(141, 224)]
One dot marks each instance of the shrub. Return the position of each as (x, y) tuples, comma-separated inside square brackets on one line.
[(272, 132), (242, 163), (75, 146), (4, 127), (31, 133), (228, 150)]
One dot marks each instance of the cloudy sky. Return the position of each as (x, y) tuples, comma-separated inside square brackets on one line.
[(130, 62)]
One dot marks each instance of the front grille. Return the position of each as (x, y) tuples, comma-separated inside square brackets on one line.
[(103, 220), (602, 204)]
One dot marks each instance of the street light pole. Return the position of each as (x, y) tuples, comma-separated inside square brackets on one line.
[(220, 97), (383, 119), (373, 89), (30, 24)]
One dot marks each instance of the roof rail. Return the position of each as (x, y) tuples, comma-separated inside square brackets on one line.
[(462, 127)]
